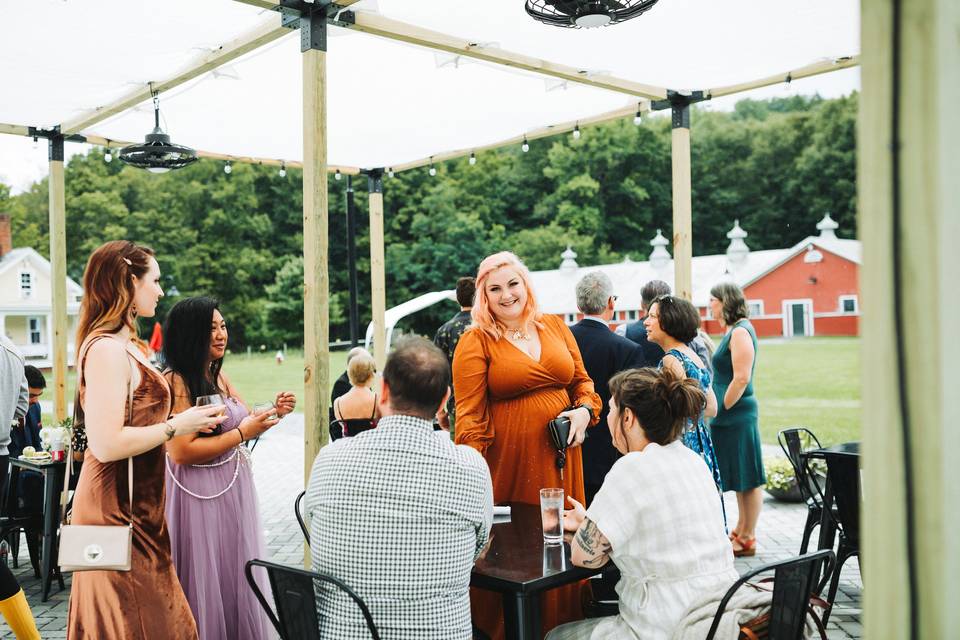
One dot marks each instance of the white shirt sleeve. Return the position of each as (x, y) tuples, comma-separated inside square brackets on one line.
[(616, 507)]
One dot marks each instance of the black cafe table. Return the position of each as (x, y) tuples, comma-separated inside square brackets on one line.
[(843, 451), (520, 566), (53, 474)]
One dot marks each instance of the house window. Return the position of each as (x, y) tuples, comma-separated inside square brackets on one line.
[(754, 308), (632, 314), (848, 304), (34, 324), (571, 318), (708, 315), (26, 284)]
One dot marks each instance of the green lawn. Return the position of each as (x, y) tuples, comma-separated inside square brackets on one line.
[(811, 382)]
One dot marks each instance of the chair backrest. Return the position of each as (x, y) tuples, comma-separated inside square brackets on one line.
[(298, 510), (843, 471), (294, 594), (795, 441), (795, 580)]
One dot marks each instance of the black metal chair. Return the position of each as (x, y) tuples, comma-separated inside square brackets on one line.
[(795, 442), (842, 501), (298, 511), (13, 521), (794, 581), (296, 601)]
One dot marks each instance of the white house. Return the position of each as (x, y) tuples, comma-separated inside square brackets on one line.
[(26, 316)]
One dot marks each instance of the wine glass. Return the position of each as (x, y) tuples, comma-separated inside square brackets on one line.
[(260, 407), (211, 400)]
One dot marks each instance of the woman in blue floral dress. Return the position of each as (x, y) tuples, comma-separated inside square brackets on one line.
[(673, 323)]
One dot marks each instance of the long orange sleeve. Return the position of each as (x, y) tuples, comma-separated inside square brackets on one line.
[(471, 362)]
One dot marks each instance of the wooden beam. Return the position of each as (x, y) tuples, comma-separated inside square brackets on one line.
[(272, 5), (682, 208), (384, 27), (534, 134), (378, 283), (266, 32), (316, 285), (815, 69), (925, 193), (58, 282), (13, 129)]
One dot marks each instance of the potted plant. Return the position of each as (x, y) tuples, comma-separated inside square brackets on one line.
[(782, 481)]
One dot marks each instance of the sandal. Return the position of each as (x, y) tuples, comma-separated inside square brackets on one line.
[(733, 535), (747, 547)]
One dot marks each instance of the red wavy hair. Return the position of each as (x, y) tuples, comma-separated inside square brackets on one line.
[(108, 288), (481, 314)]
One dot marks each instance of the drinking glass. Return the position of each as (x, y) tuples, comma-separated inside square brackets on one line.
[(551, 515), (260, 407), (212, 399)]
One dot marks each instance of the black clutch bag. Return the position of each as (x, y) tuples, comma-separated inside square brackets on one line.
[(559, 431)]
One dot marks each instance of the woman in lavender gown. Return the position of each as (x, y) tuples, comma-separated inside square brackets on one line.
[(211, 509)]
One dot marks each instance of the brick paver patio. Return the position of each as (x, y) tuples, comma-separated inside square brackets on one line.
[(278, 469)]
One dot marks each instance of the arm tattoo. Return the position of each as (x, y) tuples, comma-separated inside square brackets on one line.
[(593, 543)]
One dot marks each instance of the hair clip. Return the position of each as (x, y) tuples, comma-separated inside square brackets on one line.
[(127, 260)]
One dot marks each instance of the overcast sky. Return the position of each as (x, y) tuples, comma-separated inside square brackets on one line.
[(388, 102)]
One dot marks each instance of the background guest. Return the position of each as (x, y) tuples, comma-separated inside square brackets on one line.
[(604, 354), (447, 338), (120, 282), (656, 515), (672, 323), (356, 410), (513, 371), (340, 386), (14, 401), (211, 505), (416, 510), (30, 490), (735, 430)]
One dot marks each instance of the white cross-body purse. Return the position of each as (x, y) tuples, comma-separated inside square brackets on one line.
[(95, 547)]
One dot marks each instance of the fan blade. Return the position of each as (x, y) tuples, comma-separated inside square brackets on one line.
[(565, 7), (613, 5)]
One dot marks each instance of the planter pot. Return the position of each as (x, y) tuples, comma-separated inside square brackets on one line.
[(790, 494)]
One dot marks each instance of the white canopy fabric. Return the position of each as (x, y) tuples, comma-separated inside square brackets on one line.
[(388, 102)]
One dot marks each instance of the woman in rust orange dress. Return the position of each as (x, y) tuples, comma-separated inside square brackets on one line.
[(120, 282), (515, 370)]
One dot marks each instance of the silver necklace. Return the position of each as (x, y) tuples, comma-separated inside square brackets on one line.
[(519, 334)]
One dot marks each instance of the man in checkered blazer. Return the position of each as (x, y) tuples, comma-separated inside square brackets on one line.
[(400, 513)]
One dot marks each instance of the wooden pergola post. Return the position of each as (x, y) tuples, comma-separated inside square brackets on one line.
[(315, 280), (679, 104), (58, 276), (378, 283), (908, 203)]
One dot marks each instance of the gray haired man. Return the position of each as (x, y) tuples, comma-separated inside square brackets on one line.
[(14, 398)]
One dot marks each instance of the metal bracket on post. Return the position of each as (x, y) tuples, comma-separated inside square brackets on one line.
[(679, 104), (310, 18), (374, 180), (56, 139)]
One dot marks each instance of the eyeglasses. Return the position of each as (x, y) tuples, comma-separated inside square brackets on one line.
[(614, 298)]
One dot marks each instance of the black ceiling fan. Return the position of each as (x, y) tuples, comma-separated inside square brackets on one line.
[(576, 14)]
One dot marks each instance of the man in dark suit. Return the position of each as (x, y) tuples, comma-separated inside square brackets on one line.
[(604, 354)]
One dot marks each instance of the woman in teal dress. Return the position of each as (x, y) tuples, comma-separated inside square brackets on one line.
[(672, 323), (735, 429)]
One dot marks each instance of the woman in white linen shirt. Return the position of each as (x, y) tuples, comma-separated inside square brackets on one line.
[(656, 514)]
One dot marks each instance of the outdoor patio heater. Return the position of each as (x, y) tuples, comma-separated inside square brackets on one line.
[(576, 14), (157, 154)]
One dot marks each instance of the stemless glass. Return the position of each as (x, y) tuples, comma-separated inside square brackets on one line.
[(551, 515), (208, 400)]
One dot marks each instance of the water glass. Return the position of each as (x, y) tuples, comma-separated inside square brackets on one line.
[(212, 399), (551, 515), (260, 407)]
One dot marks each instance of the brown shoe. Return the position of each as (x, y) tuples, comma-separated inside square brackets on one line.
[(747, 547)]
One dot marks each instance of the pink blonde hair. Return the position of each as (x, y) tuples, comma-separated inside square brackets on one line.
[(482, 317)]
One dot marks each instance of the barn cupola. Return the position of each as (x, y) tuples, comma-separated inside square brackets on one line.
[(569, 260), (659, 257), (738, 251), (827, 228)]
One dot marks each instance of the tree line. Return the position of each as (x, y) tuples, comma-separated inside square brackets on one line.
[(776, 165)]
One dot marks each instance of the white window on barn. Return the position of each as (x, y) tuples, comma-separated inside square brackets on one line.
[(754, 308), (632, 314), (848, 304), (34, 325), (571, 318), (709, 314), (26, 284)]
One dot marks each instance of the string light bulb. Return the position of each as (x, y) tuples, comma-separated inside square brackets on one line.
[(390, 172), (637, 119), (107, 155), (228, 168), (473, 158), (433, 169), (283, 169), (525, 146), (336, 176), (576, 131)]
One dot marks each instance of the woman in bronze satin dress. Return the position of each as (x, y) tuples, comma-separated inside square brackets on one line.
[(121, 281)]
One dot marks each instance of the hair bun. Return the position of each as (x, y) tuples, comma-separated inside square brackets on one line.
[(682, 395)]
